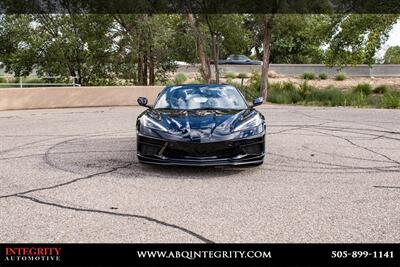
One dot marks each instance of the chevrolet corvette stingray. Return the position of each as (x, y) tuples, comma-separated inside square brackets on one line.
[(201, 125)]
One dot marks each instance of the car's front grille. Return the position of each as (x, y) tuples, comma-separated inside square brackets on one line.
[(187, 150), (190, 150)]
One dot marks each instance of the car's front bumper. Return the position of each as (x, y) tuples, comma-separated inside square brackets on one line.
[(229, 152)]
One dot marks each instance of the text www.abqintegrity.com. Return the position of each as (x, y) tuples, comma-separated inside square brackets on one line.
[(203, 254)]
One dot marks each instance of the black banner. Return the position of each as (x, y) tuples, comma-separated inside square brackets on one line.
[(198, 6), (200, 255)]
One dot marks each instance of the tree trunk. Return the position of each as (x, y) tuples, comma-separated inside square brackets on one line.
[(140, 69), (267, 51), (145, 69), (152, 77), (215, 54), (205, 69)]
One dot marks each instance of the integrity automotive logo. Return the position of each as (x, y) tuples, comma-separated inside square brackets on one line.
[(31, 254)]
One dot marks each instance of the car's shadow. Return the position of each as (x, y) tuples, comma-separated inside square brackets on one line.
[(85, 156)]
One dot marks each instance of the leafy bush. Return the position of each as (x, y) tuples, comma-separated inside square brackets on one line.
[(341, 76), (329, 96), (34, 80), (308, 76), (2, 80), (284, 93), (391, 100), (323, 76), (362, 88), (230, 75), (180, 78), (381, 89)]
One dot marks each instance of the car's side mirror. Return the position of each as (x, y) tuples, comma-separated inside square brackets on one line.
[(258, 101), (142, 101)]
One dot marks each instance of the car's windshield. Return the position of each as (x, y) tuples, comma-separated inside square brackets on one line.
[(200, 97)]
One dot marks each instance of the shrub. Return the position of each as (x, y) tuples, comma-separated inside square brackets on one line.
[(34, 80), (169, 83), (362, 88), (284, 93), (230, 75), (357, 100), (323, 76), (341, 76), (180, 78), (2, 80), (242, 76), (254, 81), (375, 101), (308, 76), (391, 100), (381, 89), (199, 79), (305, 89), (330, 96)]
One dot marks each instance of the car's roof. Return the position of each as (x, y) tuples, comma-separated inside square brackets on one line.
[(195, 85)]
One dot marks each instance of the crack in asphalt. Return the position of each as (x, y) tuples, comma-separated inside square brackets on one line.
[(342, 156), (386, 186), (340, 166), (346, 121), (360, 146), (68, 182), (147, 218), (26, 145), (297, 127), (68, 152)]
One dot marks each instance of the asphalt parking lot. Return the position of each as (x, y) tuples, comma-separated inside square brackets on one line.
[(71, 175)]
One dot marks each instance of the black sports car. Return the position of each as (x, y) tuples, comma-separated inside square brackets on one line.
[(201, 125)]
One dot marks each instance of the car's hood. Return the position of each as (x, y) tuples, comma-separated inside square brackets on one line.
[(200, 125)]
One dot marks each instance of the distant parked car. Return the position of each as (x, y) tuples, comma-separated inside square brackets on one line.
[(239, 60), (181, 63)]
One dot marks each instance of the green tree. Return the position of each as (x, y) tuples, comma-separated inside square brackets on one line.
[(57, 45), (356, 38), (392, 55), (145, 44)]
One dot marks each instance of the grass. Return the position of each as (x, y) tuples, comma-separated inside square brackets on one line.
[(323, 76), (284, 93), (309, 76), (230, 75), (180, 78), (329, 96), (306, 94), (362, 88), (381, 89), (391, 100), (341, 76)]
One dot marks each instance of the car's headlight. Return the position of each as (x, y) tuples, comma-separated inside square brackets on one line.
[(148, 122), (253, 122)]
